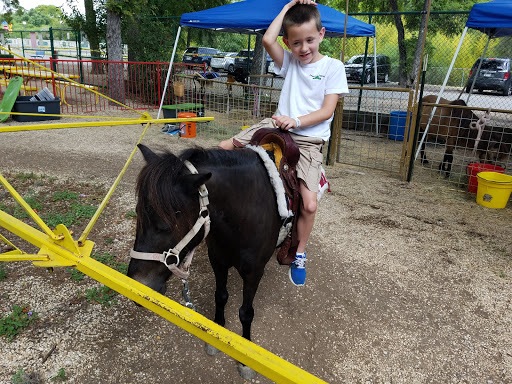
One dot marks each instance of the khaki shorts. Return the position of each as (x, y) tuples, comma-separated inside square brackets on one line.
[(310, 148)]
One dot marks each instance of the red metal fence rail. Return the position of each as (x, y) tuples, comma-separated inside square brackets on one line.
[(141, 86)]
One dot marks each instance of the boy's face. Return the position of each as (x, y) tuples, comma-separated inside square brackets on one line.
[(303, 40)]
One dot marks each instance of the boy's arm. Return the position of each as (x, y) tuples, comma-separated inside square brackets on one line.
[(324, 113), (273, 48)]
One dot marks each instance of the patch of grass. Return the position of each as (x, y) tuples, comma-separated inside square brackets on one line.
[(106, 258), (32, 200), (103, 295), (130, 215), (111, 261), (21, 317), (71, 217), (20, 377), (3, 273), (83, 211), (64, 195), (23, 177), (76, 275), (61, 376), (3, 207), (20, 213)]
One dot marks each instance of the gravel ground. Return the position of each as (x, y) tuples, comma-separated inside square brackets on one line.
[(407, 283)]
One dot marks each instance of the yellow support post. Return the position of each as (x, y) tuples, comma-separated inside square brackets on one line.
[(34, 216), (93, 220)]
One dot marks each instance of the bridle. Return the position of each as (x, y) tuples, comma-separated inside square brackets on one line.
[(174, 253)]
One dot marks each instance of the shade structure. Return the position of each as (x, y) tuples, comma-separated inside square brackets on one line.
[(254, 16)]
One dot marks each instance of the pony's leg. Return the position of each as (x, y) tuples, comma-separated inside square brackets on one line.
[(246, 311), (446, 165), (221, 298), (246, 314)]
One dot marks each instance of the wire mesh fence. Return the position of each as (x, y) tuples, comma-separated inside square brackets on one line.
[(372, 128), (458, 137)]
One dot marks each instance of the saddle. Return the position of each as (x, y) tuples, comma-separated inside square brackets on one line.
[(286, 156)]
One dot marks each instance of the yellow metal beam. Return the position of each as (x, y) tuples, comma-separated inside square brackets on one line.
[(37, 127), (34, 216), (16, 256), (248, 353)]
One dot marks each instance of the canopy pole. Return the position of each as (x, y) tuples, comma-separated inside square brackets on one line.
[(375, 75), (478, 69), (440, 92), (169, 71)]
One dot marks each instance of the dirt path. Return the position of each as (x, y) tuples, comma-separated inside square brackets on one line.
[(407, 283)]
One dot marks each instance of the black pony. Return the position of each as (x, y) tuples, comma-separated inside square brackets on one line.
[(243, 217)]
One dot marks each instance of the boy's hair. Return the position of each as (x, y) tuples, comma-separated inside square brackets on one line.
[(300, 14)]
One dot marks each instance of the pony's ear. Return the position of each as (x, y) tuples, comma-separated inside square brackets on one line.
[(195, 181), (148, 154)]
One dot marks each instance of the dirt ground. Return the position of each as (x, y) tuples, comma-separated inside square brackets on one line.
[(407, 283)]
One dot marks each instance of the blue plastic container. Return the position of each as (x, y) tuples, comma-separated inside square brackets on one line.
[(397, 125)]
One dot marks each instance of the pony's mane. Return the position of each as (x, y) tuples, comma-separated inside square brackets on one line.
[(157, 181)]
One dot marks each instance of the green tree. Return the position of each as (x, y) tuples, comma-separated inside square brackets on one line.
[(115, 50), (93, 24), (9, 8), (41, 17), (409, 48)]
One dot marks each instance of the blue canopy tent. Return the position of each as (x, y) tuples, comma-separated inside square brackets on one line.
[(495, 20), (254, 16)]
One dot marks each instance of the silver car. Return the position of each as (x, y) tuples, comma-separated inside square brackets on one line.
[(226, 63)]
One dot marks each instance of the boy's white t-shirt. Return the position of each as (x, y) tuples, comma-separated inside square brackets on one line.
[(304, 89)]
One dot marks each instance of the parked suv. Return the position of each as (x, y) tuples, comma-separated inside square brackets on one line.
[(354, 68), (226, 62), (199, 55), (243, 60), (494, 75)]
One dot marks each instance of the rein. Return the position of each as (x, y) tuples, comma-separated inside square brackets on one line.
[(202, 221)]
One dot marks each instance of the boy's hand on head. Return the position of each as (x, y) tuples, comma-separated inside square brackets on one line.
[(293, 2), (310, 2), (285, 122)]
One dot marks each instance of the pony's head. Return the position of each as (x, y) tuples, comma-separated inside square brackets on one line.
[(167, 207)]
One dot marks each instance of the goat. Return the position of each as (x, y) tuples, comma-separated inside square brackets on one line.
[(453, 125)]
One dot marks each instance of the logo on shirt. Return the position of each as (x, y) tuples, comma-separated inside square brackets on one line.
[(317, 77)]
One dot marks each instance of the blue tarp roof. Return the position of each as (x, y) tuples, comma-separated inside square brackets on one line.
[(493, 18), (251, 16)]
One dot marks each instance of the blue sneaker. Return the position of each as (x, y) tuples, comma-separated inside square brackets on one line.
[(297, 271)]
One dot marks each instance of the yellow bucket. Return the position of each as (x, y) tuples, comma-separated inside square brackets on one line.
[(493, 189)]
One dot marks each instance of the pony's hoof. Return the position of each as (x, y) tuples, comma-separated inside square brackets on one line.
[(245, 372), (210, 349)]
